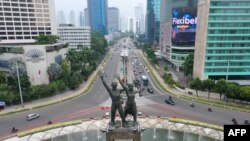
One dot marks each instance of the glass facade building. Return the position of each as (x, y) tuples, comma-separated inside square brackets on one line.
[(153, 20), (226, 52), (97, 10), (176, 50)]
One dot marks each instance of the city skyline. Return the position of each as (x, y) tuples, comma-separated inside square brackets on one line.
[(126, 8)]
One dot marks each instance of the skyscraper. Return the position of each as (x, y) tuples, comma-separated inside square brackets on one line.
[(131, 25), (22, 21), (97, 10), (177, 41), (113, 19), (81, 19), (61, 19), (86, 16), (72, 19), (153, 20), (222, 47), (139, 18)]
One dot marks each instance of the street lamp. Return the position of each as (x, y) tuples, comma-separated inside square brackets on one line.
[(19, 85), (228, 63)]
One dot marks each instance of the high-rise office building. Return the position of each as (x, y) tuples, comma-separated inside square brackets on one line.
[(61, 19), (81, 19), (86, 17), (22, 21), (153, 20), (177, 39), (113, 19), (222, 47), (72, 19), (139, 18), (131, 25), (97, 10)]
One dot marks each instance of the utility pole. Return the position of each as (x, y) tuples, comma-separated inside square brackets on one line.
[(19, 85), (228, 62)]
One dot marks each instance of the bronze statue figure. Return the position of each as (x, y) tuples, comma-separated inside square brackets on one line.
[(130, 106), (115, 97)]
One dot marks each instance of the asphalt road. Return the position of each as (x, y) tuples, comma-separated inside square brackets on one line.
[(90, 105)]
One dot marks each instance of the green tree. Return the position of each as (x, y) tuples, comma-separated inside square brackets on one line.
[(209, 85), (66, 71), (47, 39), (24, 81), (98, 43), (54, 71), (221, 87), (233, 90), (2, 78), (196, 84), (6, 94), (166, 68), (74, 81), (245, 93), (188, 65)]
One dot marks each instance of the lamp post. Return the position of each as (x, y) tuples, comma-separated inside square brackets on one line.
[(228, 63), (19, 85)]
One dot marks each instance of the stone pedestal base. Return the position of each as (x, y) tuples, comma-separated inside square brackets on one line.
[(130, 135), (131, 131)]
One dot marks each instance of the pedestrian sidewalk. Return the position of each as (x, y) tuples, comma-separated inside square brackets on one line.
[(59, 97)]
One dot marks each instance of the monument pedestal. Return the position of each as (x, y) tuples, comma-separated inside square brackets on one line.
[(116, 135), (130, 132)]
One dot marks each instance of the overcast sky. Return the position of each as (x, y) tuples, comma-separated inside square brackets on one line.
[(126, 7)]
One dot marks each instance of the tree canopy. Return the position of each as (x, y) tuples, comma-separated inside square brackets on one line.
[(188, 65), (47, 39)]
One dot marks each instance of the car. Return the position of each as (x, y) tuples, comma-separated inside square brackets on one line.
[(139, 113), (32, 116), (170, 102), (150, 90)]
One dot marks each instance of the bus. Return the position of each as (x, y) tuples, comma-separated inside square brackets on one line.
[(144, 79)]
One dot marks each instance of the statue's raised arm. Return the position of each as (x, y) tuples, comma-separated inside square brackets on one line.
[(123, 86), (102, 75)]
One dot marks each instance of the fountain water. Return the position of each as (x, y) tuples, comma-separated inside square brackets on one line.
[(154, 134)]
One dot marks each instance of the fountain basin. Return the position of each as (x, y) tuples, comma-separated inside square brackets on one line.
[(157, 129)]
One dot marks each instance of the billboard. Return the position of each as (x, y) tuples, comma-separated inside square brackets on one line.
[(184, 22)]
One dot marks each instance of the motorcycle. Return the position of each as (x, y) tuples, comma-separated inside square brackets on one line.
[(246, 122), (50, 122), (209, 110), (234, 121), (14, 130)]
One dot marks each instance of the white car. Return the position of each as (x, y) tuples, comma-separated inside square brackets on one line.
[(32, 116), (139, 113)]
